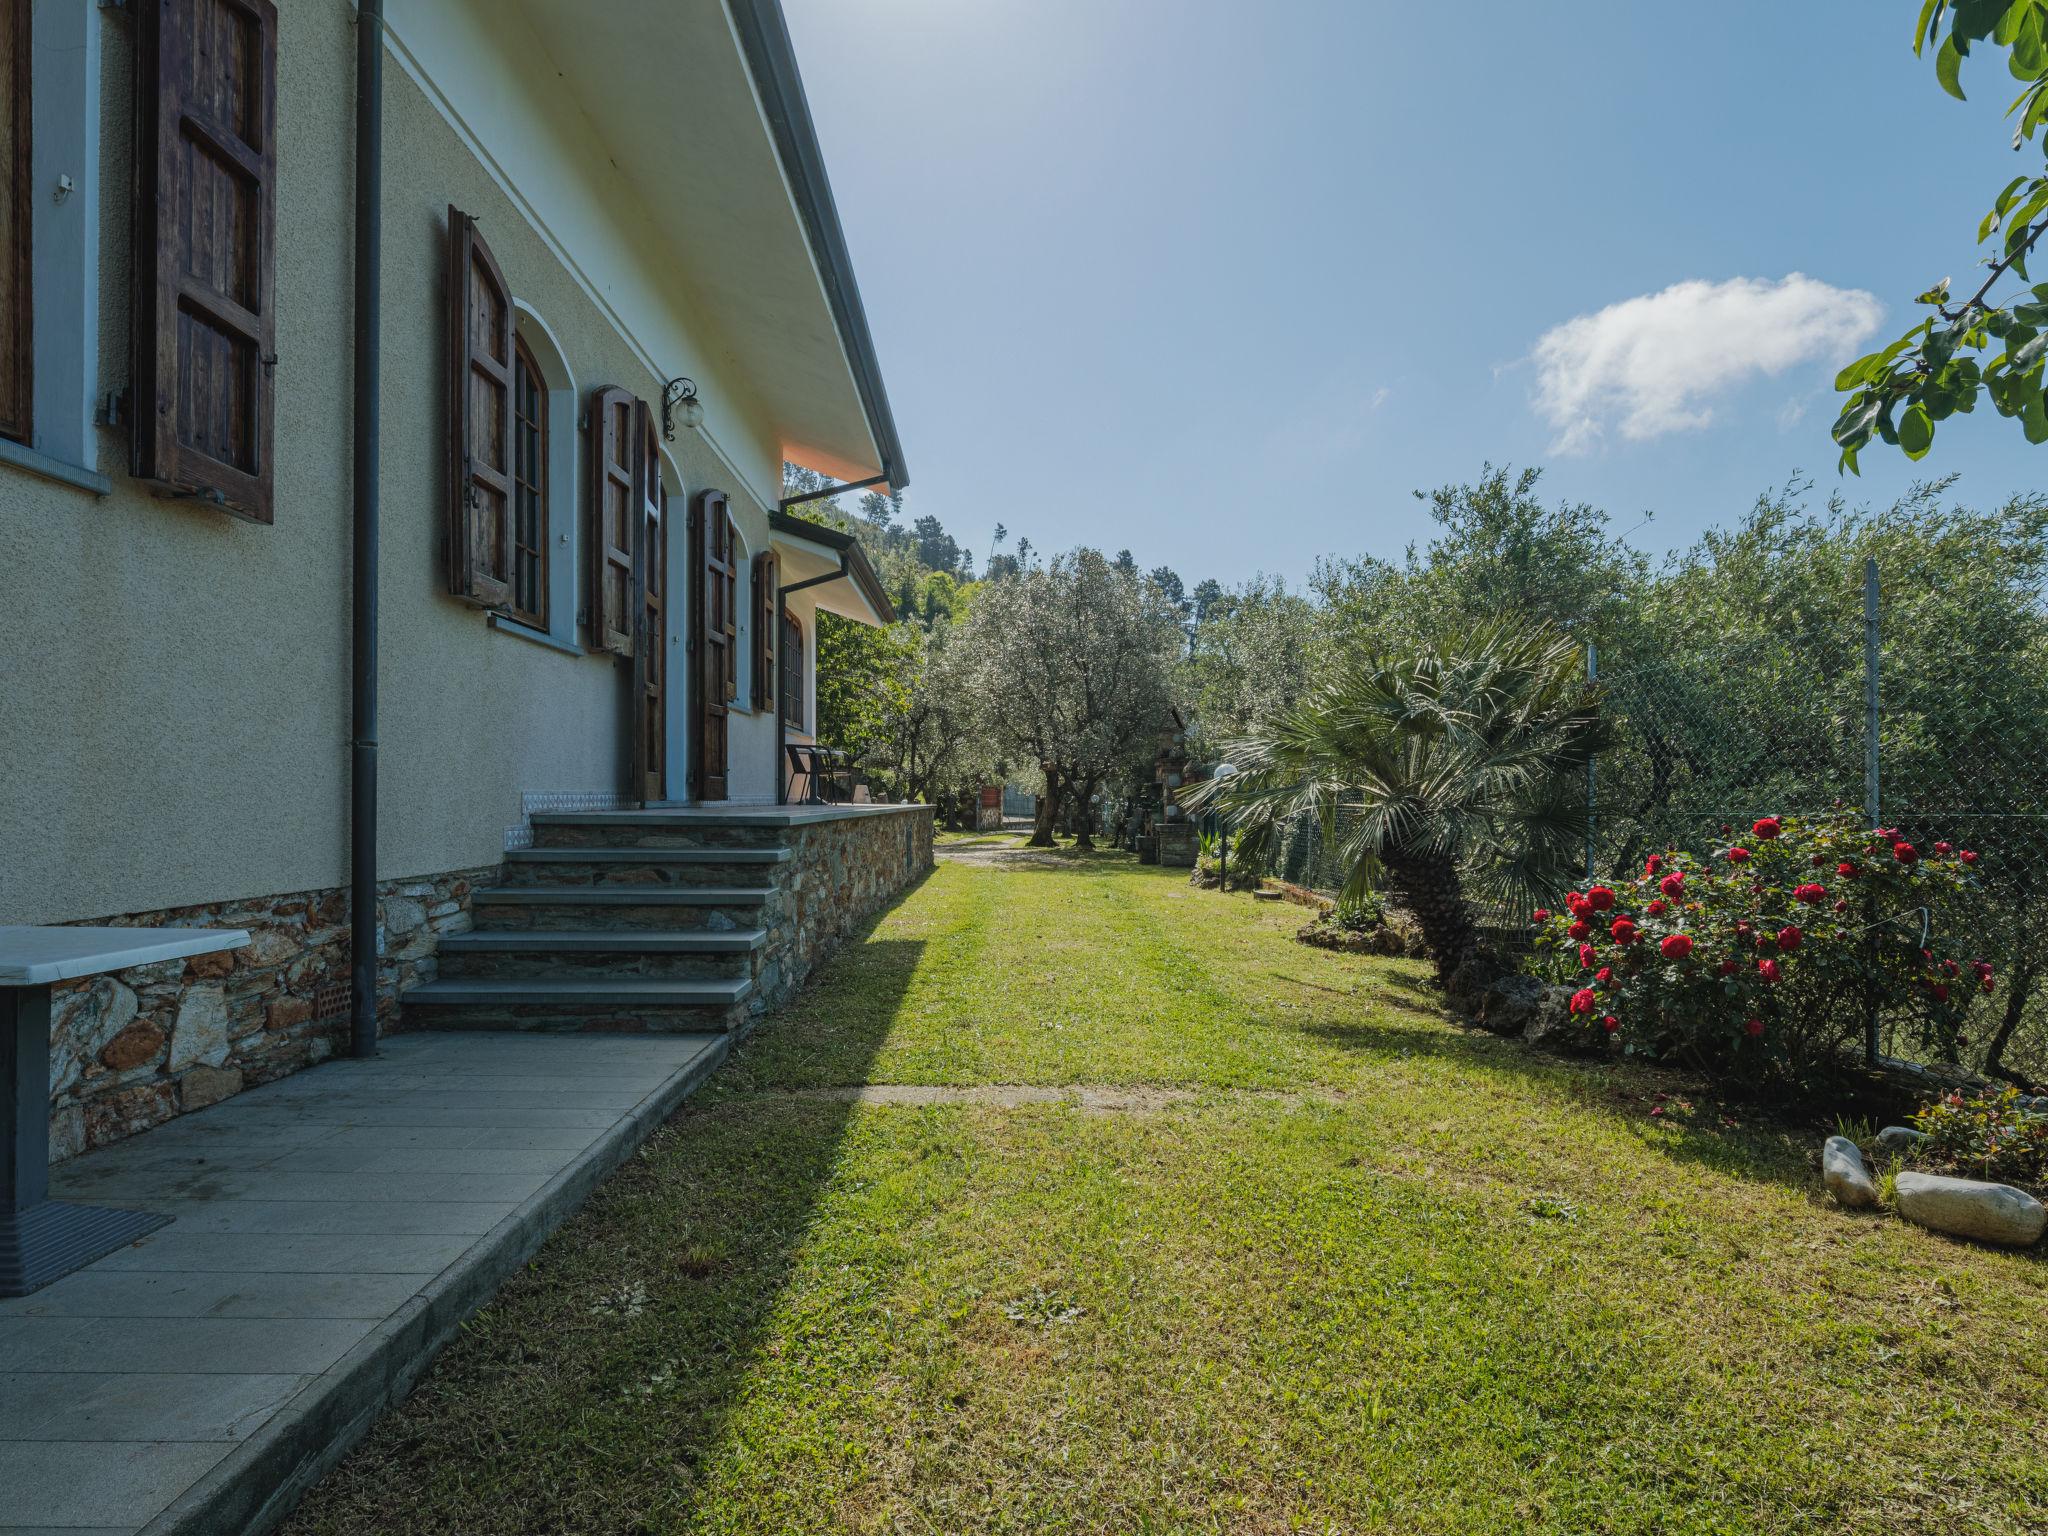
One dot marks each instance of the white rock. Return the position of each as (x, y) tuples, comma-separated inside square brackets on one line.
[(1900, 1138), (1841, 1166), (1990, 1213), (200, 1037)]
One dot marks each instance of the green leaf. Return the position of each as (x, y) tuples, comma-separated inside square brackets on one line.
[(1916, 432), (1861, 371), (2034, 418), (2007, 28), (1852, 427), (2029, 354), (1923, 29), (1948, 68)]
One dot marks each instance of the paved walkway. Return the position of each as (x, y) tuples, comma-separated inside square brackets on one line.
[(332, 1229)]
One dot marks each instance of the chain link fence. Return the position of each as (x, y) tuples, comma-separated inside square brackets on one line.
[(1883, 699)]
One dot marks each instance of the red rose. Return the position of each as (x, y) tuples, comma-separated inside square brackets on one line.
[(1729, 967), (1753, 1027), (1767, 828), (1846, 870), (1604, 975), (1810, 893), (1575, 904), (1676, 946), (1672, 884), (1600, 898), (1841, 904), (1583, 1000), (1982, 968), (1967, 857), (1579, 929), (1949, 967), (1652, 864), (1768, 969), (1817, 859), (1944, 847), (1623, 930), (1905, 853), (1790, 937), (1940, 991), (1738, 855), (1542, 915), (1988, 985), (1766, 940), (1655, 909), (1585, 957), (1610, 1023)]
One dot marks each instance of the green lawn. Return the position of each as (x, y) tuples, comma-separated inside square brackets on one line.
[(1321, 1262)]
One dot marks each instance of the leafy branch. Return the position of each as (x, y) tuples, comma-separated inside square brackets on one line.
[(1933, 371)]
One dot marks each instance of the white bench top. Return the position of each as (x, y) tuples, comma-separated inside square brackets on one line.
[(36, 957)]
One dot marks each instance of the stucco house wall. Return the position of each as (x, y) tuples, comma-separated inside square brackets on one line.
[(174, 709)]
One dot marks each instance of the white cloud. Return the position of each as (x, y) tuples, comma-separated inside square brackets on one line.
[(1652, 365)]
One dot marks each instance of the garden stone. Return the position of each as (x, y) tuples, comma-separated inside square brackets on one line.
[(1554, 1027), (1841, 1168), (1468, 983), (1900, 1138), (1510, 1004), (1990, 1213)]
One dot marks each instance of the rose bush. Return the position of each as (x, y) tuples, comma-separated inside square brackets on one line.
[(1744, 964)]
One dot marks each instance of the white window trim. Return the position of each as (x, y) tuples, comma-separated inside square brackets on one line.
[(565, 475), (64, 160)]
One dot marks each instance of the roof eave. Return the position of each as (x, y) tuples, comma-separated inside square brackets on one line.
[(771, 60), (859, 569)]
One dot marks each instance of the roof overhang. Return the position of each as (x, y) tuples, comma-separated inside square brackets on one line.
[(809, 550), (700, 106)]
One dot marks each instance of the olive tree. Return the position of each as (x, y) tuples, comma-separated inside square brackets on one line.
[(1072, 668)]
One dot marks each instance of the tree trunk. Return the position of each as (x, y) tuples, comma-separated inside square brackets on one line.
[(1085, 818), (1048, 813), (1428, 885), (2018, 986)]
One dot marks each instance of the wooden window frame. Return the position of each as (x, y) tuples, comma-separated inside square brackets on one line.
[(530, 488), (791, 689), (610, 426), (17, 402)]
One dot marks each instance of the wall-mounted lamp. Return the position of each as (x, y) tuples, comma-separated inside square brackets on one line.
[(679, 402)]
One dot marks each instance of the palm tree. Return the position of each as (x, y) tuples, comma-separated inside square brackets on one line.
[(1463, 762)]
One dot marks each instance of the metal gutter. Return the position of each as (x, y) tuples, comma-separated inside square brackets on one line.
[(771, 60), (853, 560), (362, 754)]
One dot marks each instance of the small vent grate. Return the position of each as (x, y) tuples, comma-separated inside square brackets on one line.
[(330, 1003)]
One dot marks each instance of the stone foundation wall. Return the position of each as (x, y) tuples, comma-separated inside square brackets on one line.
[(841, 873), (134, 1048)]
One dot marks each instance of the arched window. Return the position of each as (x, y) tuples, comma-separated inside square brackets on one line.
[(792, 672), (545, 532), (529, 600)]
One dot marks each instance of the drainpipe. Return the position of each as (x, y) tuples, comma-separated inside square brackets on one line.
[(362, 810)]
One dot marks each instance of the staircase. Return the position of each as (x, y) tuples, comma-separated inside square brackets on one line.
[(614, 921)]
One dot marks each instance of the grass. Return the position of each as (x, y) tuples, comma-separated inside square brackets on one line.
[(1332, 1265)]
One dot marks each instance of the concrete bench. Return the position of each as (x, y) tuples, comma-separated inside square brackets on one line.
[(43, 1239)]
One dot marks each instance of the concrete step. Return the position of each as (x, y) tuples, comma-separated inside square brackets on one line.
[(665, 954), (582, 908), (630, 1004), (642, 829), (749, 867)]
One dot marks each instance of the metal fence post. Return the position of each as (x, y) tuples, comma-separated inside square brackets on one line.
[(1873, 806), (1592, 771)]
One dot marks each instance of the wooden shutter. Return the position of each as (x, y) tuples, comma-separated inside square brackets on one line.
[(793, 671), (17, 342), (614, 502), (650, 640), (712, 671), (480, 357), (766, 609), (205, 297)]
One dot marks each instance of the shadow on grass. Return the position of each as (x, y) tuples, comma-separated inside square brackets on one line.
[(600, 1379)]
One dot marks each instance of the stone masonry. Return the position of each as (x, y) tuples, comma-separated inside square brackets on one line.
[(134, 1048)]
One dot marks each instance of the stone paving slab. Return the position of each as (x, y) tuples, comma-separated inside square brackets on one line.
[(330, 1233)]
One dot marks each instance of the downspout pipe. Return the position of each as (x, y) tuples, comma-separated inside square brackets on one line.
[(781, 660), (362, 809)]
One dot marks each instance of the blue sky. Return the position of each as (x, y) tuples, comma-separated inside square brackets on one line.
[(1224, 283)]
